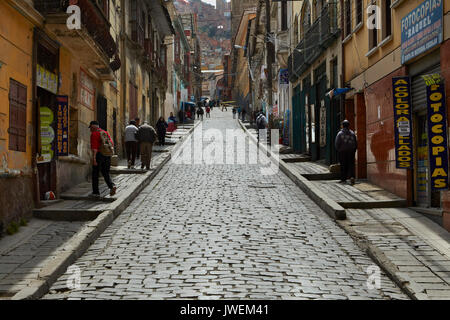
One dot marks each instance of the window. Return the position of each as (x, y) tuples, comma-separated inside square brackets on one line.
[(348, 18), (73, 131), (318, 5), (373, 34), (284, 22), (334, 74), (17, 116), (387, 18), (296, 31), (306, 17), (359, 11)]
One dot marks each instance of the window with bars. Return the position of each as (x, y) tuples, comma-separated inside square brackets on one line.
[(17, 116), (137, 21)]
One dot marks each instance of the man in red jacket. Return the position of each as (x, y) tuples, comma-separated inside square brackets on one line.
[(100, 162)]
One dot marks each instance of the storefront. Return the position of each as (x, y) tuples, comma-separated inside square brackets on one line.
[(422, 193), (46, 89)]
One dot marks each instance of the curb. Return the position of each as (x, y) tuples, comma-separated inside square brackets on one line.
[(81, 241), (331, 207)]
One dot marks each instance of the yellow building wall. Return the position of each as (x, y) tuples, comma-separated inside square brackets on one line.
[(16, 47), (357, 47)]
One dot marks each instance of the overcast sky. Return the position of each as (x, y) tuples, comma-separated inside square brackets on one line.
[(213, 2)]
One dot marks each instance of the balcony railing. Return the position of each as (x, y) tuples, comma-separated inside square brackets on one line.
[(92, 19), (320, 35)]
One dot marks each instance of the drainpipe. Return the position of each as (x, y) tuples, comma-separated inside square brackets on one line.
[(342, 102)]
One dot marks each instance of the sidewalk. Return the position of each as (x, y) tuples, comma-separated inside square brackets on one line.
[(413, 250), (32, 259)]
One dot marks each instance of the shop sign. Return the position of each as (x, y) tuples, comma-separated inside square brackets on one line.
[(284, 76), (422, 29), (47, 135), (46, 79), (87, 90), (403, 122), (62, 126), (437, 136), (323, 125)]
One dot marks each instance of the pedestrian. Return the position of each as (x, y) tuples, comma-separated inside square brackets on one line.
[(208, 110), (161, 128), (200, 113), (239, 110), (172, 121), (131, 143), (234, 113), (103, 149), (346, 146), (138, 151), (261, 124), (243, 114), (147, 137), (181, 116)]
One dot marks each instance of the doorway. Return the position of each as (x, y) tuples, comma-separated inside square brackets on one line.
[(424, 196)]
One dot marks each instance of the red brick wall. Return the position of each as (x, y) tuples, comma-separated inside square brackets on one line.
[(381, 168), (361, 156)]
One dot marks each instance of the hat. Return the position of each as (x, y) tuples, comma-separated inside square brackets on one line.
[(94, 123)]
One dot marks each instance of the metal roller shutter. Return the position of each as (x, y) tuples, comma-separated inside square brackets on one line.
[(419, 89)]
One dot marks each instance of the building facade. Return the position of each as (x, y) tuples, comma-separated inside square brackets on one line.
[(412, 41)]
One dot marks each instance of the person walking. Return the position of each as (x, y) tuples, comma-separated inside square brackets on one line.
[(102, 148), (234, 113), (346, 146), (261, 124), (131, 143), (208, 110), (147, 137), (138, 150), (200, 113), (243, 115), (161, 128), (239, 110)]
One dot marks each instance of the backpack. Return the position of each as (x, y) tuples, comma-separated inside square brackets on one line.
[(106, 148), (348, 140)]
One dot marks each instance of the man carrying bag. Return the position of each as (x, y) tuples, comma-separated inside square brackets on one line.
[(146, 136)]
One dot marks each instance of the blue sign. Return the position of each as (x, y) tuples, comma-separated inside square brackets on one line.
[(284, 76), (422, 29), (63, 126), (437, 136), (403, 122)]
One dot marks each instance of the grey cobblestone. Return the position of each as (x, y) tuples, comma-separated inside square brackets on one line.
[(206, 232)]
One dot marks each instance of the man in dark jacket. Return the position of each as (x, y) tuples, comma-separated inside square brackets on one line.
[(146, 136), (346, 145)]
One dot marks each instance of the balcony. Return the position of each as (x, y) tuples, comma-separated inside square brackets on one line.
[(320, 36), (93, 43)]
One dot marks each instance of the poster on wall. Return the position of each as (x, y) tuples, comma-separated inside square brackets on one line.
[(46, 79), (437, 136), (47, 135), (403, 122), (323, 125), (286, 128), (62, 126)]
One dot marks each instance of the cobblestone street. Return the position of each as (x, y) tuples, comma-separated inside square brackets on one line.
[(223, 231)]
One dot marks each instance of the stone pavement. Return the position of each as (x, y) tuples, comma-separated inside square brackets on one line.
[(37, 249), (223, 231), (412, 249)]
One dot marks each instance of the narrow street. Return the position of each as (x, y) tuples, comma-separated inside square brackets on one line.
[(223, 231)]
